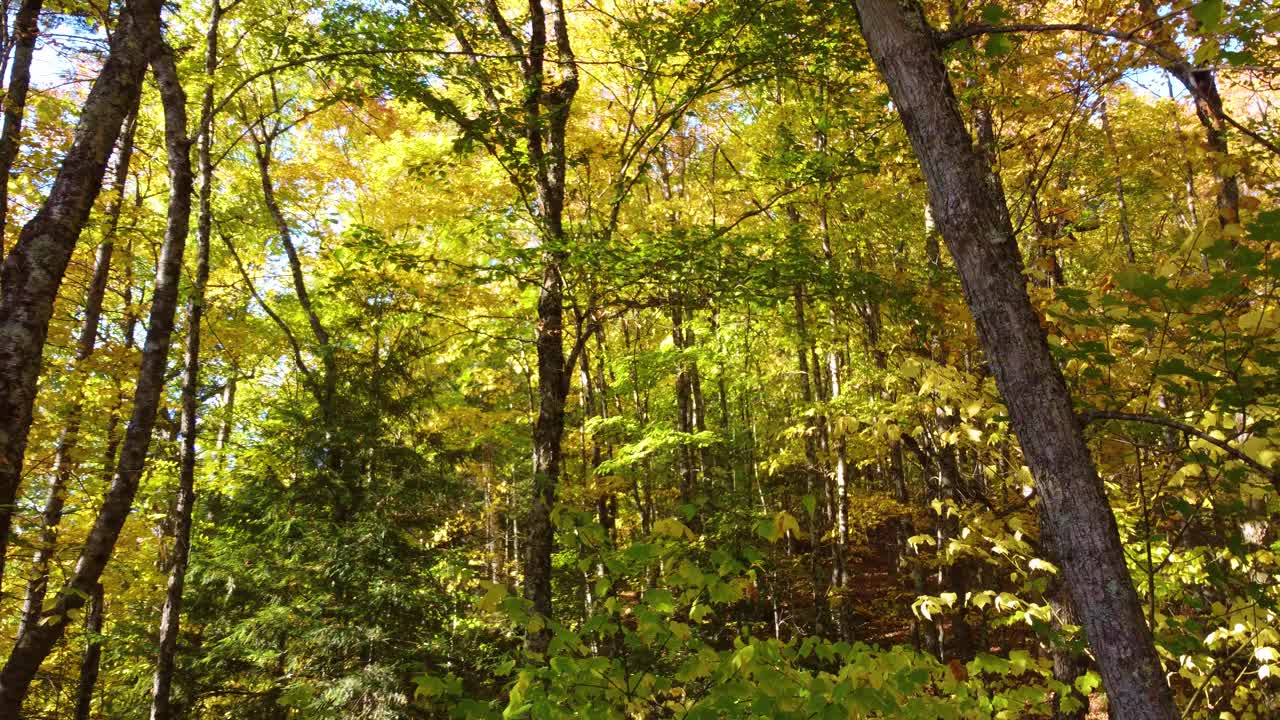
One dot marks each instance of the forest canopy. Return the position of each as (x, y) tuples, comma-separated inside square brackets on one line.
[(640, 359)]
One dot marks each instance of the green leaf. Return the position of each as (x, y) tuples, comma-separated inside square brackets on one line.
[(994, 14), (660, 600), (1088, 682), (1208, 13), (998, 44)]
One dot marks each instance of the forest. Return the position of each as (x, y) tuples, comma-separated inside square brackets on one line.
[(690, 359)]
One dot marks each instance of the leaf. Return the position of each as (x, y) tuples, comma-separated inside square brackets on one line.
[(994, 14), (673, 528), (660, 600), (786, 522), (1208, 13), (998, 44), (1045, 565), (492, 597), (1088, 682), (915, 541), (1206, 53)]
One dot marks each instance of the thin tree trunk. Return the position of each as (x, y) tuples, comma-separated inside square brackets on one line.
[(26, 28), (1125, 233), (171, 614), (812, 473), (228, 420), (262, 149), (976, 229), (546, 118), (92, 655), (684, 402), (63, 462), (957, 573), (35, 645), (1202, 83), (33, 271)]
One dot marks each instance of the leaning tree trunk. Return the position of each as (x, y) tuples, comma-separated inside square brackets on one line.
[(975, 226), (170, 615), (35, 645), (34, 270), (63, 459), (26, 28)]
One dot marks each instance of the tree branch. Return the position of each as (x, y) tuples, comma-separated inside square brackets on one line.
[(1273, 476)]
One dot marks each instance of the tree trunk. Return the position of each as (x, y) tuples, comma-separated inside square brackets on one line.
[(26, 28), (546, 119), (684, 402), (1123, 208), (92, 655), (812, 473), (33, 271), (35, 645), (63, 462), (976, 229), (1202, 83), (171, 614)]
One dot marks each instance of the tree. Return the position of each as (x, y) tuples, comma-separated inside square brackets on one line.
[(975, 225), (33, 270), (37, 642)]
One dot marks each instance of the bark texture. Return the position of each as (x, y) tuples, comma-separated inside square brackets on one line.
[(26, 28), (974, 224), (92, 657), (546, 119), (171, 613), (63, 460), (33, 271), (34, 646)]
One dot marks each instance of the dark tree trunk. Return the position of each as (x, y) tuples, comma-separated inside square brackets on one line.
[(63, 461), (684, 402), (813, 474), (32, 273), (957, 573), (1202, 83), (92, 655), (26, 28), (35, 645), (975, 226), (1203, 86), (547, 433), (546, 119), (171, 614)]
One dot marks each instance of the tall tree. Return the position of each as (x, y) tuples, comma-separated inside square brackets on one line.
[(64, 455), (171, 614), (975, 225), (26, 28), (33, 271), (35, 645)]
